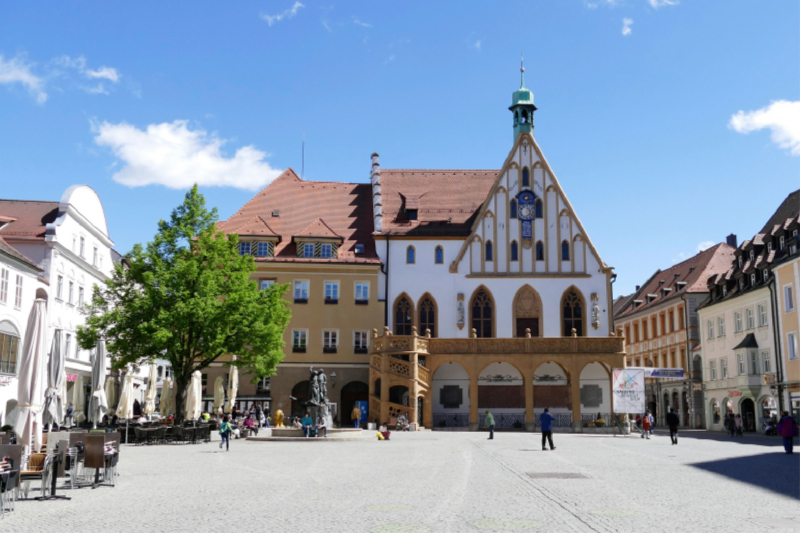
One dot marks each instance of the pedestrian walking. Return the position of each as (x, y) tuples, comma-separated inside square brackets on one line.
[(70, 418), (646, 427), (489, 423), (730, 424), (787, 428), (225, 430), (547, 429), (673, 421), (355, 416), (259, 415), (738, 424)]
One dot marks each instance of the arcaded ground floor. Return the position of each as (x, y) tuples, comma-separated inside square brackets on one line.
[(441, 482)]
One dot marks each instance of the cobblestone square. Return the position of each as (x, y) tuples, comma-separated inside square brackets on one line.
[(440, 482)]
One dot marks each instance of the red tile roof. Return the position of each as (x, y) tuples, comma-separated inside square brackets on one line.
[(447, 200), (695, 271), (319, 228), (10, 250), (345, 208), (31, 218), (254, 226)]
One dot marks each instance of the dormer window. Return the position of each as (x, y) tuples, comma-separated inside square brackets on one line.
[(741, 284), (308, 249), (769, 247), (681, 285), (766, 274), (752, 254), (637, 303), (244, 248), (265, 249), (359, 249), (411, 214), (782, 242), (651, 297), (724, 291), (752, 280), (740, 261), (665, 292), (326, 251)]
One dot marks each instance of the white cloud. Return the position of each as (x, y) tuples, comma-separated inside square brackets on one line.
[(172, 155), (626, 26), (286, 14), (477, 45), (604, 3), (79, 64), (17, 70), (705, 245), (655, 4), (389, 59), (359, 23), (99, 89), (781, 116)]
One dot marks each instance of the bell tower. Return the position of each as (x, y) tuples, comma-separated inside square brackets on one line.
[(522, 106)]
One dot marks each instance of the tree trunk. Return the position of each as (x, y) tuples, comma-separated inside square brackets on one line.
[(180, 398)]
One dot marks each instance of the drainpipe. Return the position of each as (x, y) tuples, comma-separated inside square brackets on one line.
[(777, 336), (385, 271)]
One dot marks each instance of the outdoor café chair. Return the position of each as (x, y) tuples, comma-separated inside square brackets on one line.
[(8, 486), (39, 467)]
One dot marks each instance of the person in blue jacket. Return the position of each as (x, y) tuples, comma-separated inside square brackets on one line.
[(547, 429), (308, 425)]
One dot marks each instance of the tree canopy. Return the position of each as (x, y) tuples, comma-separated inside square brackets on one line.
[(188, 297)]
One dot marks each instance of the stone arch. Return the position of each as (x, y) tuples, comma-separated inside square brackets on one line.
[(480, 300), (402, 314), (501, 389), (595, 383), (299, 395), (450, 386), (428, 314), (572, 312), (352, 392), (527, 312)]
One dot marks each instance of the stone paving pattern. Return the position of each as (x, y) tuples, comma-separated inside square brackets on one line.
[(439, 482)]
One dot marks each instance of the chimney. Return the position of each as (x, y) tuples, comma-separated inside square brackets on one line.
[(731, 240), (375, 179), (638, 287)]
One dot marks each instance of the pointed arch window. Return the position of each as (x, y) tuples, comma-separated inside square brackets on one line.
[(564, 251), (572, 313), (439, 255), (488, 250), (481, 314), (513, 210), (514, 251), (539, 251), (427, 315), (411, 256), (403, 317), (537, 208), (526, 177)]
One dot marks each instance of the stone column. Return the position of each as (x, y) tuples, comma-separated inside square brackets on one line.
[(384, 389), (575, 391), (474, 418), (529, 420), (427, 413), (413, 389)]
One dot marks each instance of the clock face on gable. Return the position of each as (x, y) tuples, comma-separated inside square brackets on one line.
[(526, 210)]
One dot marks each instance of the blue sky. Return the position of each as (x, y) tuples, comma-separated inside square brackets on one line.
[(669, 124)]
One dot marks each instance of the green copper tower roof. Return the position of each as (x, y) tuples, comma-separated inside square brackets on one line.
[(522, 106)]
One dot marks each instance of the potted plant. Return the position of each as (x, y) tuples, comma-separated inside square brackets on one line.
[(599, 421)]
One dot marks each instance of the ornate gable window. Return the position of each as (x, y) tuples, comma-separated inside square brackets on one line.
[(488, 249), (526, 177), (527, 312), (411, 256), (539, 251), (482, 314), (513, 210), (403, 316), (572, 312), (537, 207), (439, 255), (564, 251), (514, 251)]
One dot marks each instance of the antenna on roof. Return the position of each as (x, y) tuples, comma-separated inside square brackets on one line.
[(303, 158)]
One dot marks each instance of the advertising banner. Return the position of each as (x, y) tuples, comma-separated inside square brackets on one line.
[(628, 390)]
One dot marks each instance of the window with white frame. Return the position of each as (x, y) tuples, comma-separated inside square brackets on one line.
[(762, 315), (740, 261), (765, 364), (300, 291), (360, 341), (712, 370), (737, 322), (299, 340), (18, 293), (721, 326), (723, 368), (326, 251), (788, 298), (67, 345), (331, 292), (752, 280), (791, 345), (94, 256), (362, 292), (265, 284), (754, 362), (70, 293), (3, 285), (782, 242), (74, 244), (80, 295), (765, 274), (752, 254), (330, 340), (710, 325), (83, 248), (740, 361), (769, 247), (748, 314), (60, 288)]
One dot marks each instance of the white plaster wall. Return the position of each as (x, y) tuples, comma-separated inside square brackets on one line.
[(450, 374), (595, 374)]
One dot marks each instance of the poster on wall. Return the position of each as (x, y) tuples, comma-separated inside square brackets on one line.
[(628, 390)]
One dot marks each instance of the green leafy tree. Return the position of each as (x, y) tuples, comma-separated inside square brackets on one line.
[(187, 297)]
